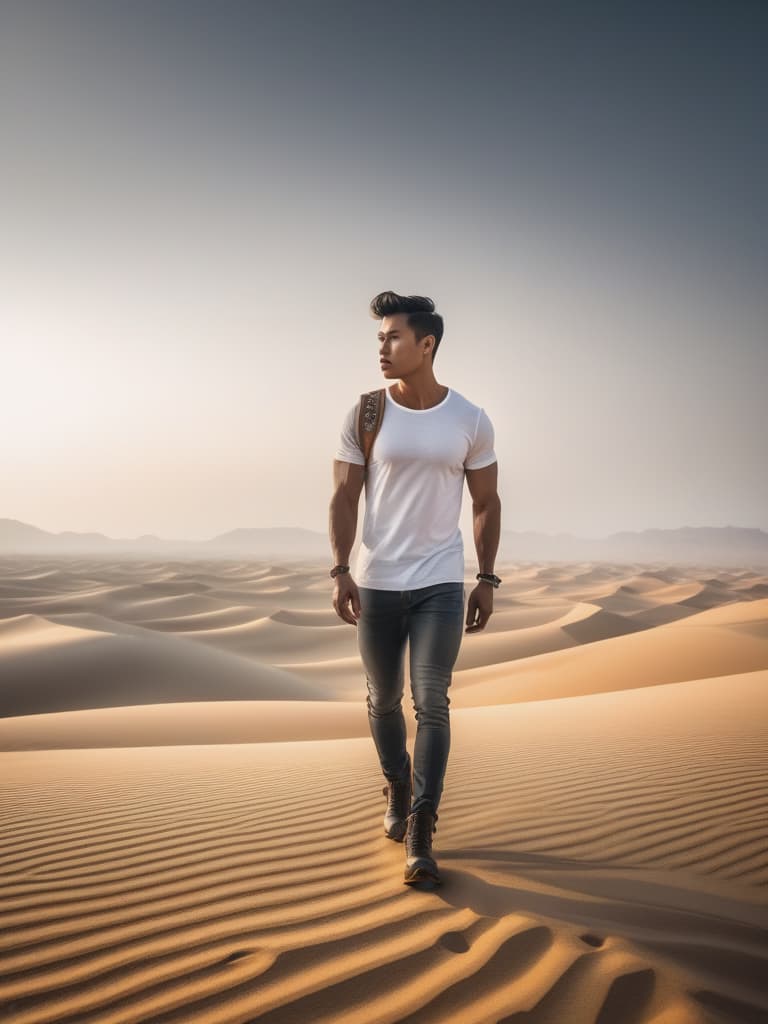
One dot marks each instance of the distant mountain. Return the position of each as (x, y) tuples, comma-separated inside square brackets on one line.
[(727, 546), (21, 538), (270, 543)]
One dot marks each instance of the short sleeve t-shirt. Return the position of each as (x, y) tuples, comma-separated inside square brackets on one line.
[(413, 490)]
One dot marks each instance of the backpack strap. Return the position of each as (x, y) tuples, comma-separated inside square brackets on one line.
[(372, 405)]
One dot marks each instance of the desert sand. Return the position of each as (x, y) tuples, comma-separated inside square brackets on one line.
[(192, 806)]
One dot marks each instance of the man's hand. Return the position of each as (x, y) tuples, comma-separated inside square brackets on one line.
[(346, 598), (479, 607)]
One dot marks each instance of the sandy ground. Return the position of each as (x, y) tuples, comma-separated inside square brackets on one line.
[(192, 806)]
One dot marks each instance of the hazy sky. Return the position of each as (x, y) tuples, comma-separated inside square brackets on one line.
[(199, 199)]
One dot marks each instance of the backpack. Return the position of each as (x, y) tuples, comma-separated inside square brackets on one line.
[(372, 405)]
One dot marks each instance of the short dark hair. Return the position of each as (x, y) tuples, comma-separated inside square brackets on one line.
[(422, 318)]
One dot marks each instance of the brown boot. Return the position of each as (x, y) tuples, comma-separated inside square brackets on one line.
[(398, 794), (420, 865)]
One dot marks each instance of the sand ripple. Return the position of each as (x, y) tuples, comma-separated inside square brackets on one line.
[(211, 847)]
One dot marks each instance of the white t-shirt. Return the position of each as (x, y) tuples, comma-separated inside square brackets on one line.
[(414, 488)]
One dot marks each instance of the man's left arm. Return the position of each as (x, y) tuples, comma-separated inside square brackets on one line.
[(486, 525)]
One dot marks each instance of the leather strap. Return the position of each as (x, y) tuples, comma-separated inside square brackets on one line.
[(372, 405)]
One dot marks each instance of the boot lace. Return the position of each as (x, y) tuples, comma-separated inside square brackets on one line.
[(419, 835)]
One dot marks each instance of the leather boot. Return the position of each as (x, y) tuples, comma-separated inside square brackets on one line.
[(398, 794), (420, 865)]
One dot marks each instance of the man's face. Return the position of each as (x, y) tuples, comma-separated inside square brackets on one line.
[(398, 345)]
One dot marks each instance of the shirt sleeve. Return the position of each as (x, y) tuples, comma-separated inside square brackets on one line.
[(349, 449), (481, 452)]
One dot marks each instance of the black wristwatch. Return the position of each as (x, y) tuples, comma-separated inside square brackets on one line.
[(337, 570), (489, 577)]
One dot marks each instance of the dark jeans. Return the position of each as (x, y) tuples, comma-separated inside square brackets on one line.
[(432, 619)]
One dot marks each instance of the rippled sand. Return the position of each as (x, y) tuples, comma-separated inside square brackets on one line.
[(192, 807)]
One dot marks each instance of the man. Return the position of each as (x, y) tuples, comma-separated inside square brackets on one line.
[(410, 567)]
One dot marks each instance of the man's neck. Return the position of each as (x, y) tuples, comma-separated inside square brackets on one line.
[(418, 394)]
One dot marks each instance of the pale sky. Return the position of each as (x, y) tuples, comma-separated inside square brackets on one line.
[(199, 199)]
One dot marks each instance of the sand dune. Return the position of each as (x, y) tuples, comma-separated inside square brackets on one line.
[(59, 668), (188, 722), (277, 640), (192, 831), (697, 647), (575, 881)]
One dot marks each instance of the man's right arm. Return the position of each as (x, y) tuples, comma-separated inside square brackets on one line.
[(348, 480)]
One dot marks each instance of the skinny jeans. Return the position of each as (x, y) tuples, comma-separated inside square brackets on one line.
[(431, 620)]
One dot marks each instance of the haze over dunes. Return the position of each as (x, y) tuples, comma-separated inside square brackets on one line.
[(715, 545), (193, 803)]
